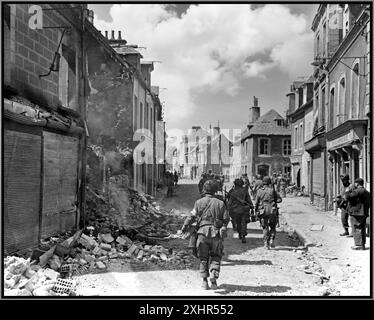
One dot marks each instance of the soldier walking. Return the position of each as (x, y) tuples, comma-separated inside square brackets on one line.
[(239, 205), (266, 204), (212, 219)]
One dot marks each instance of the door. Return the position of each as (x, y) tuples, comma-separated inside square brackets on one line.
[(22, 166), (263, 170)]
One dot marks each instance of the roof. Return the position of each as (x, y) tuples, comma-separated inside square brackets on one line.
[(270, 116), (127, 50), (266, 125)]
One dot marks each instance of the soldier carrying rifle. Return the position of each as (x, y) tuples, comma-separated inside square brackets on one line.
[(266, 207)]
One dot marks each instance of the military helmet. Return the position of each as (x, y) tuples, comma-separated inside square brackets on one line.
[(360, 181), (266, 180), (238, 182), (210, 187)]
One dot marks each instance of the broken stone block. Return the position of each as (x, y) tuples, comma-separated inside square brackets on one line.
[(96, 251), (105, 246), (100, 265), (29, 273), (113, 255), (163, 257), (87, 242), (123, 240), (104, 258), (51, 274), (132, 249), (140, 254), (55, 263), (82, 262), (89, 258), (105, 237)]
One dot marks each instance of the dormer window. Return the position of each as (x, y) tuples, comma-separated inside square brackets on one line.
[(280, 123)]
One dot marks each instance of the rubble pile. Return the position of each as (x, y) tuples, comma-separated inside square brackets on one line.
[(21, 278)]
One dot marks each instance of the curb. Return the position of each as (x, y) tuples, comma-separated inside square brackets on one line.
[(306, 242)]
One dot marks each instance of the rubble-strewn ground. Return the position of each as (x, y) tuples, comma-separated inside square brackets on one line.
[(130, 248), (247, 269)]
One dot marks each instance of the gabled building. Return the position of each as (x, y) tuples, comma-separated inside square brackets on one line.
[(265, 144)]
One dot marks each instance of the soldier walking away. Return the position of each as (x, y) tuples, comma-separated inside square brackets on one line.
[(342, 204), (170, 184), (257, 185), (266, 206), (212, 219), (201, 183), (358, 209), (240, 204), (175, 178), (282, 185), (245, 181)]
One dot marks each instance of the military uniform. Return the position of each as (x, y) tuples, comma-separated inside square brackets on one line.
[(268, 218), (209, 245), (200, 185), (358, 210), (237, 209)]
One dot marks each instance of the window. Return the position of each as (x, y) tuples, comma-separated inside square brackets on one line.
[(324, 33), (246, 147), (264, 147), (280, 123), (287, 169), (152, 124), (354, 92), (341, 102), (141, 125), (296, 138), (332, 107), (287, 147), (67, 78), (322, 113), (135, 113), (146, 116), (301, 137)]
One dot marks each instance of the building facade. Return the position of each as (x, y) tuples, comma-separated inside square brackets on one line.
[(44, 121), (341, 124), (300, 116), (265, 144)]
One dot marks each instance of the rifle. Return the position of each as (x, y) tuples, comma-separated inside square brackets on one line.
[(276, 204)]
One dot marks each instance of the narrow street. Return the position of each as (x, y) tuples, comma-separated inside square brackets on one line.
[(247, 269)]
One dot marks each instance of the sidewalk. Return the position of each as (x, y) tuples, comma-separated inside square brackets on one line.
[(349, 270)]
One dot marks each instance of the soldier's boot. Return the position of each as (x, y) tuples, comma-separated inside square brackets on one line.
[(272, 244), (205, 284), (243, 239), (213, 283)]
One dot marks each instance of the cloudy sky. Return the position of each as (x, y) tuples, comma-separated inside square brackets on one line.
[(216, 57)]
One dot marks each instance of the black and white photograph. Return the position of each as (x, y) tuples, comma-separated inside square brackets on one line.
[(202, 150)]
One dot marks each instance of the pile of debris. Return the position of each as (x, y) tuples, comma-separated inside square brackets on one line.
[(22, 278)]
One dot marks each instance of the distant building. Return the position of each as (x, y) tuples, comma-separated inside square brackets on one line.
[(202, 150), (300, 117), (265, 144)]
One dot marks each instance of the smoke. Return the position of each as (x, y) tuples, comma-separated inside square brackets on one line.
[(213, 47)]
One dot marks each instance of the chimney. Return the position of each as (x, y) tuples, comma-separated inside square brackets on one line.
[(106, 34), (254, 111), (112, 38), (90, 16), (119, 35)]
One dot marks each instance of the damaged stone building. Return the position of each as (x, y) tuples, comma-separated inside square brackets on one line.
[(124, 115), (44, 125), (72, 106)]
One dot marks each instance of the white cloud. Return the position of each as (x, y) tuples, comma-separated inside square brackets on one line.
[(208, 46)]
